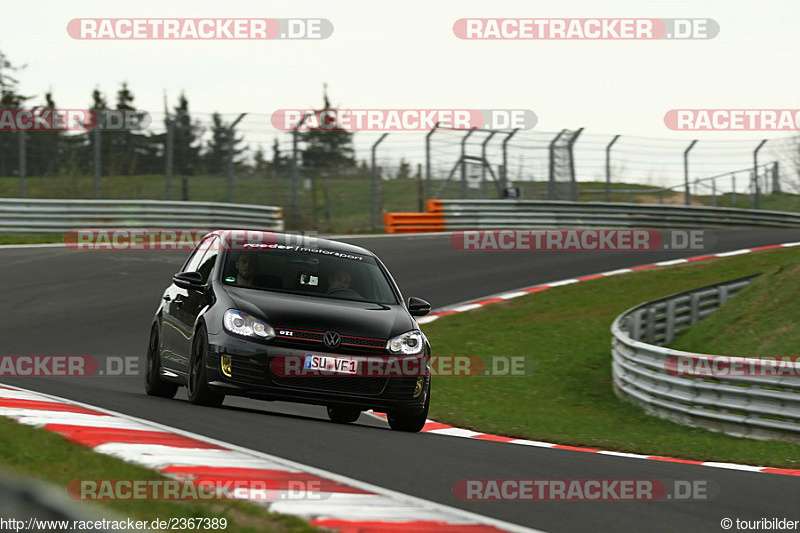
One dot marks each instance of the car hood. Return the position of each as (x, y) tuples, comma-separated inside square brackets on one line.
[(323, 314)]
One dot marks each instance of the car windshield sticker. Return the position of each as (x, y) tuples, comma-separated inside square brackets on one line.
[(303, 249)]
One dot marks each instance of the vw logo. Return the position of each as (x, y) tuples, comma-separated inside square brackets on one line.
[(332, 339)]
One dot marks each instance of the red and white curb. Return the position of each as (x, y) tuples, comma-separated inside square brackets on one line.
[(495, 298), (342, 504), (438, 428)]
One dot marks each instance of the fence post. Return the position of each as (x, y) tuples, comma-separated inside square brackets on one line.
[(757, 202), (428, 160), (420, 192), (636, 326), (551, 184), (687, 196), (374, 180), (733, 189), (464, 164), (776, 179), (608, 167), (96, 182), (694, 308), (484, 164), (714, 192), (231, 176), (504, 174), (22, 162), (650, 327), (168, 150), (572, 183), (295, 178), (670, 325)]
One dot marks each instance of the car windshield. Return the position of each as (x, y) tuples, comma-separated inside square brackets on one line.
[(308, 272)]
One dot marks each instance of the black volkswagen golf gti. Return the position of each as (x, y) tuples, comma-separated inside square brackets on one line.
[(321, 322)]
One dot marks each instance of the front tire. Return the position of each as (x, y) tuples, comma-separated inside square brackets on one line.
[(153, 384), (343, 415), (197, 385), (410, 423)]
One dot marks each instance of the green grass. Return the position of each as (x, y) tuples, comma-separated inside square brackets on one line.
[(760, 321), (569, 397), (13, 238), (31, 452)]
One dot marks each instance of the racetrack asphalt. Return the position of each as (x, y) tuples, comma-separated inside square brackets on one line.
[(100, 303)]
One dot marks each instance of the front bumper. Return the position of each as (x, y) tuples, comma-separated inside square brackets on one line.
[(253, 376)]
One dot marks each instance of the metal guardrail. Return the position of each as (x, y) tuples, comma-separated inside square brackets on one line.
[(60, 216), (524, 214), (755, 403)]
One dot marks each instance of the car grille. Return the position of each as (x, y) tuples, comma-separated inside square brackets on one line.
[(254, 371), (401, 388), (366, 386), (349, 342), (249, 370)]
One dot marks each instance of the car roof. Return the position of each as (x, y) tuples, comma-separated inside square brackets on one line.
[(287, 238)]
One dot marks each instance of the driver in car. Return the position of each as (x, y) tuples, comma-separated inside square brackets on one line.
[(246, 266), (338, 281)]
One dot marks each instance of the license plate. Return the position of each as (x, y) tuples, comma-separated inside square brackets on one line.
[(337, 365)]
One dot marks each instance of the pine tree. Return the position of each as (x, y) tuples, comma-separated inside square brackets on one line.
[(404, 170), (9, 99), (218, 148), (260, 163), (329, 149), (279, 161), (186, 134), (125, 142), (99, 106), (46, 150)]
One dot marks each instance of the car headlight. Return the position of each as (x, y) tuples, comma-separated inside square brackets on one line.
[(409, 343), (241, 323)]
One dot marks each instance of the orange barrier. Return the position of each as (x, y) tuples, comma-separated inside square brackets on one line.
[(413, 222), (434, 206)]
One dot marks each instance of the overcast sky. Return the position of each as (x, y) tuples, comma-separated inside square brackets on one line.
[(405, 55)]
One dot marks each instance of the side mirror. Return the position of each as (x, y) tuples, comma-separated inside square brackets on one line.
[(188, 280), (418, 307)]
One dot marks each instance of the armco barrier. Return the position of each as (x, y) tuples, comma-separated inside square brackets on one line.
[(413, 222), (750, 404), (448, 215), (60, 216)]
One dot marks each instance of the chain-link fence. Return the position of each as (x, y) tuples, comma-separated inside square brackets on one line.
[(243, 158)]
